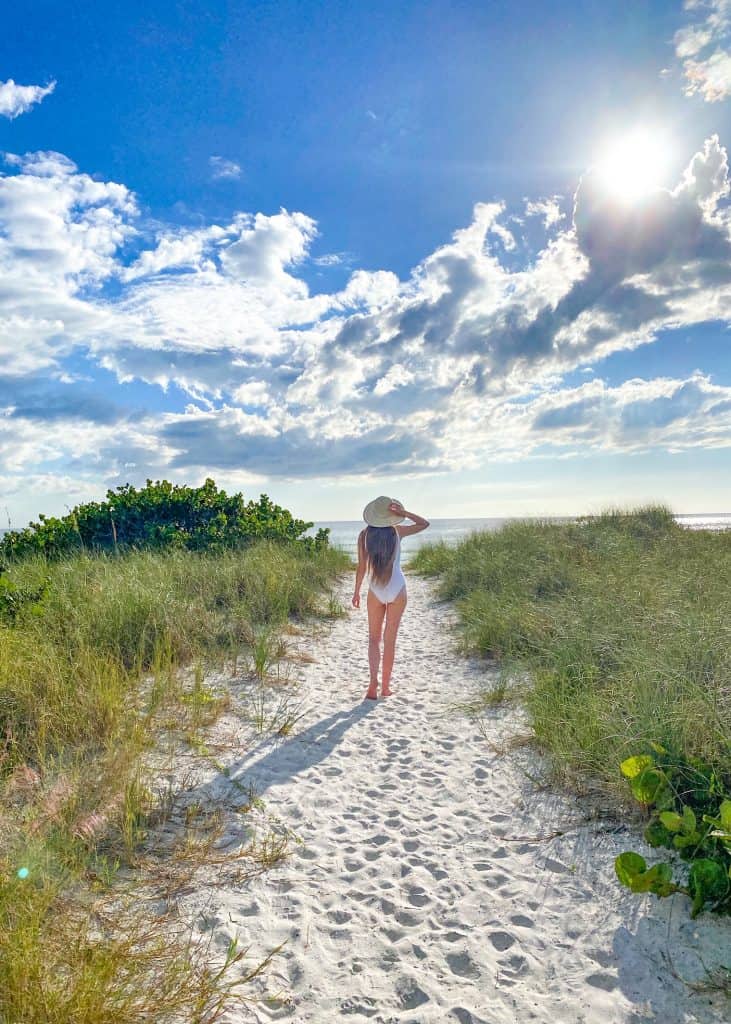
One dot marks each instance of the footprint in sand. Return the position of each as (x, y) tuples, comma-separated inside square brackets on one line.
[(389, 960), (511, 970), (462, 965), (360, 897), (606, 982), (364, 1006), (501, 940), (407, 919), (339, 916), (410, 995), (464, 1016), (418, 897)]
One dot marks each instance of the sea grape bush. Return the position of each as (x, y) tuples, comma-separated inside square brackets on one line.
[(160, 515), (690, 813)]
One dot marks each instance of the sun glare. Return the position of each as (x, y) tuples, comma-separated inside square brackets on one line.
[(633, 166)]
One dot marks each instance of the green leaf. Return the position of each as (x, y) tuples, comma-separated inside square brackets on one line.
[(632, 871), (689, 820), (658, 748), (648, 785), (681, 842), (659, 880), (634, 766), (671, 821), (664, 800), (657, 835), (725, 815), (628, 865), (708, 882)]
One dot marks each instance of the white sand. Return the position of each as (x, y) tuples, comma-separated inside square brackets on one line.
[(419, 893)]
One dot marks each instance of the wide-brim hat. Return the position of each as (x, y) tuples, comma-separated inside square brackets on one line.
[(376, 512)]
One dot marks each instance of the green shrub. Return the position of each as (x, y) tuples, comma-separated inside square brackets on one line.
[(160, 515)]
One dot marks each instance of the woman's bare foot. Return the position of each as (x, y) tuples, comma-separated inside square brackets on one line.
[(373, 691), (386, 691)]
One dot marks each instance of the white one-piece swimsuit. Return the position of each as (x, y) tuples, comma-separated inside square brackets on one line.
[(390, 591)]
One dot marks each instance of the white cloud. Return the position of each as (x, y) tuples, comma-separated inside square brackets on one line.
[(332, 259), (182, 249), (266, 245), (60, 232), (397, 376), (370, 289), (548, 209), (461, 360), (703, 49), (18, 99), (222, 168), (637, 415)]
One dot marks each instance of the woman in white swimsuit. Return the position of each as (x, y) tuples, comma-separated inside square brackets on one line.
[(379, 555)]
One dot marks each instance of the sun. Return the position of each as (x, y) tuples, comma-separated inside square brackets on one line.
[(633, 166)]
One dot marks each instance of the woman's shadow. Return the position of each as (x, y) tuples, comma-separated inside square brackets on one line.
[(295, 756)]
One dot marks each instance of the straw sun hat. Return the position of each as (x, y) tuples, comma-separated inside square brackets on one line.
[(376, 512)]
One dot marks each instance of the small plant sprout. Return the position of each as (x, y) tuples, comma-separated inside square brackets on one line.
[(335, 609)]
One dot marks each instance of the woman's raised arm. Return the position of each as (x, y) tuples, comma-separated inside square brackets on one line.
[(418, 523)]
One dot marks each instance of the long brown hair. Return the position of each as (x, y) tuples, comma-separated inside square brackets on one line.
[(379, 543)]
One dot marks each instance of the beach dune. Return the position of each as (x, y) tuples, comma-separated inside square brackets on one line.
[(435, 878)]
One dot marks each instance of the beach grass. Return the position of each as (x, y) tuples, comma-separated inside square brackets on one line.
[(88, 674), (614, 630)]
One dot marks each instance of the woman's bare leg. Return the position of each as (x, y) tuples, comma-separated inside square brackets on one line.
[(394, 611), (376, 613)]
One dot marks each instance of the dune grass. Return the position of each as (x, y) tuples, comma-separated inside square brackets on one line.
[(85, 674), (621, 624)]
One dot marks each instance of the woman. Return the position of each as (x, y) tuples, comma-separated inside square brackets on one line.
[(379, 555)]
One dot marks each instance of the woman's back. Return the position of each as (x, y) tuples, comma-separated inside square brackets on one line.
[(388, 590)]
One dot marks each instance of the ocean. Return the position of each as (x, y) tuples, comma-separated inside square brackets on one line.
[(344, 534)]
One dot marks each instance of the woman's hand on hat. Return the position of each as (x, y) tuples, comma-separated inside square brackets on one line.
[(396, 508)]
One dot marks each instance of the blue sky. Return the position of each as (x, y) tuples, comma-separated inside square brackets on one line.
[(476, 255)]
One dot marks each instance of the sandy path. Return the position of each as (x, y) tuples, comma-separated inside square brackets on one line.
[(418, 893)]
